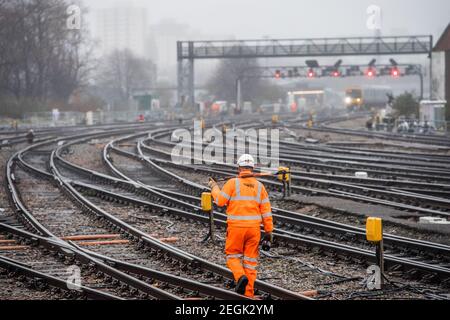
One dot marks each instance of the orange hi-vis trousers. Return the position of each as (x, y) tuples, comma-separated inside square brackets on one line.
[(241, 248)]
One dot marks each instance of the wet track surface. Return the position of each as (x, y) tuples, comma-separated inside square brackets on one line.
[(136, 194)]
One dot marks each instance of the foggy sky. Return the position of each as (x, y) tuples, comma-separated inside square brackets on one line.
[(248, 19)]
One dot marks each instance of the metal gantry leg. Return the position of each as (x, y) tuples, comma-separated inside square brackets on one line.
[(186, 85)]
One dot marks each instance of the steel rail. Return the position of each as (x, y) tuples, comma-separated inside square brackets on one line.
[(195, 261), (329, 191), (155, 292), (442, 272), (22, 211), (36, 276), (405, 138)]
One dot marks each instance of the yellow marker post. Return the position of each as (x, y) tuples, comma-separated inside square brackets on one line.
[(374, 234), (374, 230), (207, 208), (206, 201), (275, 119)]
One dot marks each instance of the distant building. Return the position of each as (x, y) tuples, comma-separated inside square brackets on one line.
[(122, 27), (165, 35), (441, 69)]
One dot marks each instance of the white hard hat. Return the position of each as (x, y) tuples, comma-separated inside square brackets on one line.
[(246, 160)]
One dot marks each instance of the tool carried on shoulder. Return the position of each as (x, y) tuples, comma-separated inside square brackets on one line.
[(283, 174)]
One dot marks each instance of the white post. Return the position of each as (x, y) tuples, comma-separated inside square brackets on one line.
[(238, 98)]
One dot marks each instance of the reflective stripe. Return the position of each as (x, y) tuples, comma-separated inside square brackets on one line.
[(226, 196), (238, 196), (246, 218), (247, 266), (234, 256), (258, 196), (244, 198), (266, 200), (251, 259), (238, 188), (267, 215)]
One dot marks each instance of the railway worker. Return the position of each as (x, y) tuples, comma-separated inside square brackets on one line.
[(248, 206), (30, 136)]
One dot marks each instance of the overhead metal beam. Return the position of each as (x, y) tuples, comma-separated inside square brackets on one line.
[(189, 51), (305, 47)]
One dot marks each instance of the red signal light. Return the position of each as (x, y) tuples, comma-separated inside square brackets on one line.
[(278, 74), (371, 72), (311, 73), (395, 72), (336, 74)]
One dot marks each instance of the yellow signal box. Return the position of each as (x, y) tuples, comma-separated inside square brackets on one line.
[(374, 229), (206, 201), (284, 174)]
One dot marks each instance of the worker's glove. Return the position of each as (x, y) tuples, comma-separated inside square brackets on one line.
[(267, 241), (268, 237), (212, 183)]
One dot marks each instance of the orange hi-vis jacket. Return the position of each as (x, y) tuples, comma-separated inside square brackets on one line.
[(247, 202)]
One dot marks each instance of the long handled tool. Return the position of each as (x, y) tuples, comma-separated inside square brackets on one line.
[(283, 174), (253, 175)]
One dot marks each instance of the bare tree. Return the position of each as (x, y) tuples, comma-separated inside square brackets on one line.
[(223, 84), (122, 74), (41, 60)]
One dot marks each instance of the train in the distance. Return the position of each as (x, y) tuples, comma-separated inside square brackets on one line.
[(366, 98)]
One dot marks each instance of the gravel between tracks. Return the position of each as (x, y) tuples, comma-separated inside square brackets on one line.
[(88, 155), (296, 270), (329, 214), (372, 143), (12, 289), (302, 274)]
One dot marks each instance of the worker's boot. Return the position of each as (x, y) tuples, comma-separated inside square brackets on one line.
[(242, 284)]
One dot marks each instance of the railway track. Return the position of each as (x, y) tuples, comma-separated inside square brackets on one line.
[(125, 256), (311, 157), (402, 244), (409, 200), (426, 271), (212, 270), (184, 288), (166, 252), (414, 138)]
